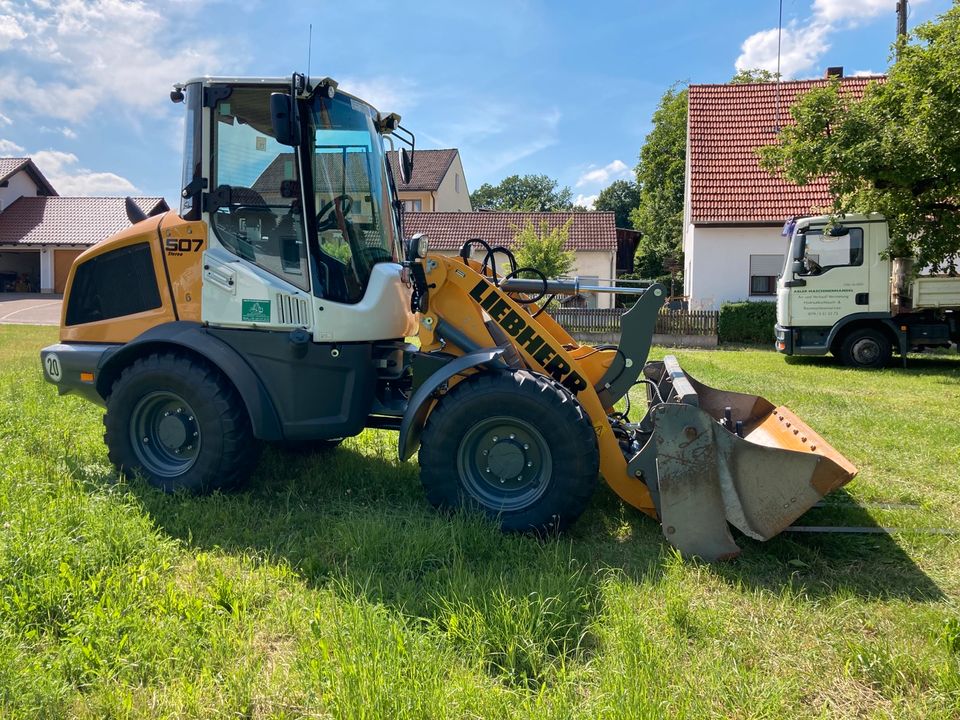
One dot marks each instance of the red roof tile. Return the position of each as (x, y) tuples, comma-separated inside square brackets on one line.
[(590, 231), (81, 221), (726, 124), (9, 166), (429, 169)]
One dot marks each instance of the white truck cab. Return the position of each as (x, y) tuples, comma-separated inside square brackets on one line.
[(837, 293)]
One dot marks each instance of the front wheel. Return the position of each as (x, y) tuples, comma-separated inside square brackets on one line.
[(865, 348), (180, 424), (513, 445)]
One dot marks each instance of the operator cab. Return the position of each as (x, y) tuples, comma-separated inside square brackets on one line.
[(297, 185)]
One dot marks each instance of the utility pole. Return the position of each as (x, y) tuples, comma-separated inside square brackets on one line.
[(901, 23)]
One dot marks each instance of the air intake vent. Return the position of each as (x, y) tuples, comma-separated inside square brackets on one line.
[(292, 310)]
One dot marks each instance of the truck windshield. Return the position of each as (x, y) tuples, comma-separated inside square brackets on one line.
[(355, 225)]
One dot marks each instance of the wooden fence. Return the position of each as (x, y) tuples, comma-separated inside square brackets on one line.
[(607, 320)]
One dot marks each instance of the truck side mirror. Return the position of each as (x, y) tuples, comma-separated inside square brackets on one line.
[(797, 267), (286, 125)]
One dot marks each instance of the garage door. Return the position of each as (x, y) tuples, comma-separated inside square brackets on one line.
[(62, 260), (19, 270)]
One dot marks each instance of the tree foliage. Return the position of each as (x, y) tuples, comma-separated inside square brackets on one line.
[(543, 248), (660, 178), (753, 75), (896, 151), (620, 198), (529, 193)]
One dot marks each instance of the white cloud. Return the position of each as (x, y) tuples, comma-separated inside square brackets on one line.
[(80, 54), (864, 73), (67, 132), (386, 94), (855, 11), (586, 200), (64, 173), (10, 31), (801, 47), (804, 43), (601, 176), (9, 147), (4, 120)]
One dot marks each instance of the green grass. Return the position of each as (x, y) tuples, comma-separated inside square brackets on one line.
[(328, 588)]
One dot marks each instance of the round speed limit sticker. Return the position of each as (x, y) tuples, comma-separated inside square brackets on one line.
[(52, 365)]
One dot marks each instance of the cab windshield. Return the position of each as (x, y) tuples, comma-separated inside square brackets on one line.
[(355, 224)]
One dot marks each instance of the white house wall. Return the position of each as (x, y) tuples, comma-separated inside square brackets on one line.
[(717, 262), (18, 186)]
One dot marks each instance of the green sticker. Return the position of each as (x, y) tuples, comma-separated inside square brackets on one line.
[(255, 311)]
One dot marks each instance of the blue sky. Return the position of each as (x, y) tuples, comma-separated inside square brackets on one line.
[(563, 88)]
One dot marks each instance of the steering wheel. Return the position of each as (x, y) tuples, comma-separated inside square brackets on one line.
[(326, 218)]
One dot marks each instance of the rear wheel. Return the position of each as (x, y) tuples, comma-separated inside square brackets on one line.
[(865, 348), (513, 445), (180, 424)]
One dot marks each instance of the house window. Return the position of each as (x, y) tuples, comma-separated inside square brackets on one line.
[(763, 274), (456, 181), (413, 205)]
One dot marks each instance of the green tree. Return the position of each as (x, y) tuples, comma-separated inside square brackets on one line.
[(753, 75), (529, 193), (660, 178), (620, 197), (543, 248), (895, 151)]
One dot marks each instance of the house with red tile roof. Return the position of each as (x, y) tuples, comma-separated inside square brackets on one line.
[(437, 184), (592, 238), (41, 232), (734, 211)]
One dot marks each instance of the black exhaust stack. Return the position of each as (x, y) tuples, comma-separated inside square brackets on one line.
[(134, 213)]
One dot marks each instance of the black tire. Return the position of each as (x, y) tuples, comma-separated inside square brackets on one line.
[(865, 348), (539, 431), (180, 424)]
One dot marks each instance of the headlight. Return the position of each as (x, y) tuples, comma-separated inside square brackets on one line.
[(417, 247)]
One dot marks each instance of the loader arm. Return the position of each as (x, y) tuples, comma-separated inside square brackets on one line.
[(699, 460)]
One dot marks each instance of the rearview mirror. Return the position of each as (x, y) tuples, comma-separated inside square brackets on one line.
[(286, 125), (406, 165), (797, 267)]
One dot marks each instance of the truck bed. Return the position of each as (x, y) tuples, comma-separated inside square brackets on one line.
[(935, 292)]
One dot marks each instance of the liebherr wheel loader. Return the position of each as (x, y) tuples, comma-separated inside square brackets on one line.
[(278, 305)]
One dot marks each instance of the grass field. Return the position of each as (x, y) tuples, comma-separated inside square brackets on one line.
[(328, 588)]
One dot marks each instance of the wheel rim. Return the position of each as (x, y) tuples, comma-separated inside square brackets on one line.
[(866, 351), (504, 463), (165, 434)]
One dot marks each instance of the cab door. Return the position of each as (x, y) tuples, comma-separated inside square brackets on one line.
[(836, 279)]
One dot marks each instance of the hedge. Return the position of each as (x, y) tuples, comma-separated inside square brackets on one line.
[(747, 322)]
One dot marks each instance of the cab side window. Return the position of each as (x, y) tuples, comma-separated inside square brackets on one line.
[(823, 252), (256, 187)]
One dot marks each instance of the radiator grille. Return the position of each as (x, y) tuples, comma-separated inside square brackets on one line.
[(291, 310)]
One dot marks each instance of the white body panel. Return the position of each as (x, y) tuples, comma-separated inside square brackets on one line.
[(383, 314), (240, 294)]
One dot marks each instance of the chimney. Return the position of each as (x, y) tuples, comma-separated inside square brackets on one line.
[(834, 72)]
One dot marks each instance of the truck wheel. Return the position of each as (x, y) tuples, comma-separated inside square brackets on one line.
[(513, 445), (180, 424), (865, 348)]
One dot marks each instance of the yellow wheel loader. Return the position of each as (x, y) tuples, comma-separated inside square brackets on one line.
[(278, 304)]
